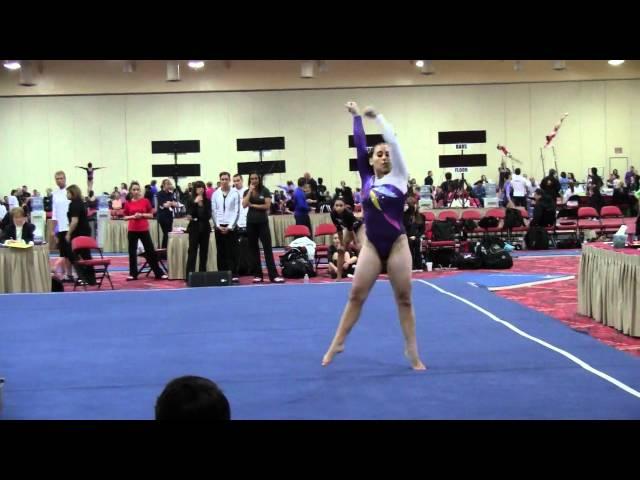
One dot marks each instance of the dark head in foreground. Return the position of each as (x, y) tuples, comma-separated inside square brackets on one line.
[(192, 398)]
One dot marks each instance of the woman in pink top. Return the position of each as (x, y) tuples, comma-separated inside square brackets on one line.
[(138, 211)]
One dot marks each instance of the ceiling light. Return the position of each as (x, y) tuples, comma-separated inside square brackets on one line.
[(559, 64), (419, 63), (517, 66), (615, 63), (196, 64), (12, 64), (322, 66)]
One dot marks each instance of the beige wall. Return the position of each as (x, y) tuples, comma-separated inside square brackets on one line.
[(39, 135)]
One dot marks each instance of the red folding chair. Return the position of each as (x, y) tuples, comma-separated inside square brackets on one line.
[(435, 245), (498, 213), (297, 231), (611, 219), (448, 214), (100, 265), (588, 219), (322, 249)]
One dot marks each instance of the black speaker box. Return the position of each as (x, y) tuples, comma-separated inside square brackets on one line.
[(210, 279)]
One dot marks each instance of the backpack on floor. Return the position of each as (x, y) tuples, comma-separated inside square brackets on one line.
[(442, 258), (295, 264), (537, 238), (497, 260), (569, 243), (56, 284), (467, 261)]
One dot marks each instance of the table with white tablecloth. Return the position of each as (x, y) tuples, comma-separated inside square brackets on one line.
[(25, 270), (177, 253), (609, 286)]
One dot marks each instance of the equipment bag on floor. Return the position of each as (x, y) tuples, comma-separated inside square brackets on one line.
[(467, 261), (497, 261), (296, 265)]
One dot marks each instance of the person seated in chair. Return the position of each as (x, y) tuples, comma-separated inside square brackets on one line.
[(19, 230), (350, 259)]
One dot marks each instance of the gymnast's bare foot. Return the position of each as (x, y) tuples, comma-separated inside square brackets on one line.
[(414, 359), (328, 357)]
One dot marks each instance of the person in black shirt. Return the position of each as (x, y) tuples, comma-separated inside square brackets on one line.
[(79, 227), (167, 202), (347, 227), (595, 198), (428, 180), (414, 226), (544, 212), (596, 179), (321, 187), (199, 228), (258, 199), (550, 185), (19, 226), (47, 201)]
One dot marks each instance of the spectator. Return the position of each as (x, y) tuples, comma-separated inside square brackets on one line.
[(148, 194), (550, 185), (138, 212), (91, 201), (301, 207), (544, 212), (595, 179), (210, 190), (357, 197), (225, 206), (154, 189), (428, 180), (199, 228), (3, 210), (595, 197), (79, 227), (564, 181), (167, 203), (192, 398), (124, 193), (47, 201), (258, 199), (59, 209), (312, 183), (321, 187), (349, 261), (519, 186), (629, 175), (13, 200), (414, 226), (507, 192)]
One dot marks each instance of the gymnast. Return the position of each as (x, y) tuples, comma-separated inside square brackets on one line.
[(384, 179)]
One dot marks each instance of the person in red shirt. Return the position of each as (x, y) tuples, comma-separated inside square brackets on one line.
[(210, 190), (137, 211)]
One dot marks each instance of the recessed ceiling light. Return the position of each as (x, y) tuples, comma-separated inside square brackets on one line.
[(615, 63), (12, 64), (419, 63), (196, 64)]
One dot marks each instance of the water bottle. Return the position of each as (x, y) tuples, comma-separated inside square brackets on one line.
[(306, 278)]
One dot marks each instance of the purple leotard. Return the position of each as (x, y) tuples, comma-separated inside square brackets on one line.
[(382, 198)]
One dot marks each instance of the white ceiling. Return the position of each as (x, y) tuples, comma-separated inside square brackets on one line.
[(78, 77)]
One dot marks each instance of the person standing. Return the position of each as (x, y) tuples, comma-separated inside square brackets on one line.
[(199, 228), (166, 204), (258, 199), (225, 206), (79, 227), (301, 207), (59, 209), (138, 211)]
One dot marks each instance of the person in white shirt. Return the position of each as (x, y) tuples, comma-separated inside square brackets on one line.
[(3, 211), (59, 208), (12, 200), (225, 210), (519, 186)]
